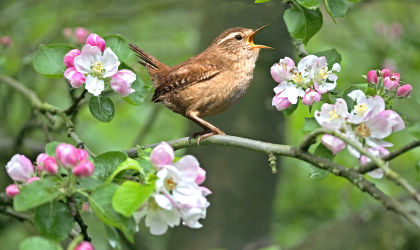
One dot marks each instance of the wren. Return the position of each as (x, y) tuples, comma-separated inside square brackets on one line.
[(208, 83)]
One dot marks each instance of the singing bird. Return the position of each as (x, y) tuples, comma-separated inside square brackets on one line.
[(208, 83)]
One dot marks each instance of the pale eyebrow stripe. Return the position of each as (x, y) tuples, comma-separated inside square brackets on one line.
[(227, 37)]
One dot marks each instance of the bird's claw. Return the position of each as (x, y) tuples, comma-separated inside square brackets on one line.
[(203, 135)]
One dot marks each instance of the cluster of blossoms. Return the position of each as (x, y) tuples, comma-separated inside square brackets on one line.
[(309, 80), (79, 34), (367, 125), (389, 82), (96, 65), (178, 195), (22, 171)]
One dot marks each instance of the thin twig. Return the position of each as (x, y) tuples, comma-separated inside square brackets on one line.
[(75, 105)]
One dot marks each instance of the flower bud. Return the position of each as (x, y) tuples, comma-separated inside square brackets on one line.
[(69, 57), (121, 82), (36, 178), (162, 154), (85, 245), (404, 90), (67, 32), (75, 78), (310, 97), (372, 76), (333, 143), (6, 41), (12, 190), (386, 73), (82, 155), (50, 165), (392, 82), (84, 169), (281, 103), (20, 168), (201, 176), (80, 34), (40, 161), (66, 154), (95, 40)]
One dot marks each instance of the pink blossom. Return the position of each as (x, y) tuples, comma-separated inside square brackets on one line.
[(404, 90), (162, 154), (36, 178), (69, 57), (12, 190), (67, 32), (392, 82), (121, 82), (84, 169), (50, 165), (75, 78), (80, 34), (95, 40), (310, 97), (377, 151), (20, 168), (283, 70), (333, 143), (372, 76), (40, 161), (66, 154), (85, 245), (82, 155), (281, 103), (201, 176), (386, 73), (85, 207)]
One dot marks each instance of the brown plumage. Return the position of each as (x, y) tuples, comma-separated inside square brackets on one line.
[(209, 83)]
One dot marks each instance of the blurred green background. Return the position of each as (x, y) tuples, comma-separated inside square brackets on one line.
[(298, 208)]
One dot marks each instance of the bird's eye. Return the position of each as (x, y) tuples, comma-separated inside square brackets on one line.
[(238, 37)]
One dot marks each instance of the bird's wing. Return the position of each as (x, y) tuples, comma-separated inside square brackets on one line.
[(185, 76)]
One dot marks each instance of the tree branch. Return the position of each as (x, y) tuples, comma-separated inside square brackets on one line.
[(75, 105)]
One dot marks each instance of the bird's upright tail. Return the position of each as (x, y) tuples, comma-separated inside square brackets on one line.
[(146, 59)]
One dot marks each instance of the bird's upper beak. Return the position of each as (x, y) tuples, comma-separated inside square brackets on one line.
[(250, 39)]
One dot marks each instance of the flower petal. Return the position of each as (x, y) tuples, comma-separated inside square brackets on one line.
[(110, 62), (94, 85), (90, 54)]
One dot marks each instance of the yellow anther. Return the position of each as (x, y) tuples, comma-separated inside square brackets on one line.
[(97, 68), (323, 73), (170, 184), (363, 130), (297, 78), (333, 115), (361, 109)]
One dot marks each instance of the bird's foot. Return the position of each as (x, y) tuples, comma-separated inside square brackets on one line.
[(204, 134)]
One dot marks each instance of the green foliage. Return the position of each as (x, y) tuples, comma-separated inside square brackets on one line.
[(262, 1), (119, 45), (54, 220), (48, 60), (107, 163), (102, 108), (321, 151), (130, 196), (39, 243), (128, 164), (310, 4), (141, 91), (36, 193), (336, 8), (302, 23), (290, 109), (113, 237), (331, 55), (50, 148), (309, 125), (101, 203)]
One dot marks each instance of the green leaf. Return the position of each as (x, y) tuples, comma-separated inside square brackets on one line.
[(309, 125), (338, 7), (38, 243), (48, 60), (107, 163), (323, 151), (290, 109), (130, 196), (35, 194), (302, 23), (50, 148), (102, 108), (415, 130), (101, 203), (114, 239), (317, 174), (262, 1), (54, 220), (331, 55), (310, 4), (128, 164), (119, 45), (141, 91)]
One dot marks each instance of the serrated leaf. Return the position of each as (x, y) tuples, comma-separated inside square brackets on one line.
[(290, 109), (102, 108), (130, 196), (107, 163), (50, 148), (331, 55), (309, 125), (54, 220), (48, 60), (119, 45), (38, 243), (302, 23), (35, 194), (310, 4), (141, 91)]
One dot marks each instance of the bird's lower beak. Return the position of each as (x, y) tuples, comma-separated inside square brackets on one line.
[(250, 39)]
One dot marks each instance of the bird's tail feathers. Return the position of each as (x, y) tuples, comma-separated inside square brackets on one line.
[(146, 59)]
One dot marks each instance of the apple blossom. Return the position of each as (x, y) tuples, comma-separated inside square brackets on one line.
[(66, 154), (50, 165), (404, 90), (40, 161), (333, 143), (85, 245), (372, 76), (162, 154), (69, 57), (311, 96), (281, 103), (12, 190), (20, 168), (121, 82), (378, 151), (392, 82), (386, 73), (80, 34), (201, 176), (95, 40), (84, 169), (75, 78), (32, 179), (283, 71), (82, 155)]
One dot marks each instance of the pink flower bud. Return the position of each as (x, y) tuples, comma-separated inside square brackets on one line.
[(162, 154), (310, 97), (66, 154), (283, 70), (80, 34), (84, 169), (40, 161), (281, 103), (386, 73), (6, 41), (12, 190), (121, 82), (82, 155), (95, 40), (372, 76), (20, 168), (85, 207), (75, 78), (69, 57), (85, 245), (67, 32), (404, 90), (333, 143), (392, 82), (50, 165), (36, 178), (201, 176)]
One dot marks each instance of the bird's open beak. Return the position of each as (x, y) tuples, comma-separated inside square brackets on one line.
[(250, 39)]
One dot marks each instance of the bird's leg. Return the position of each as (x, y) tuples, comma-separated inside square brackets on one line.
[(209, 129)]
